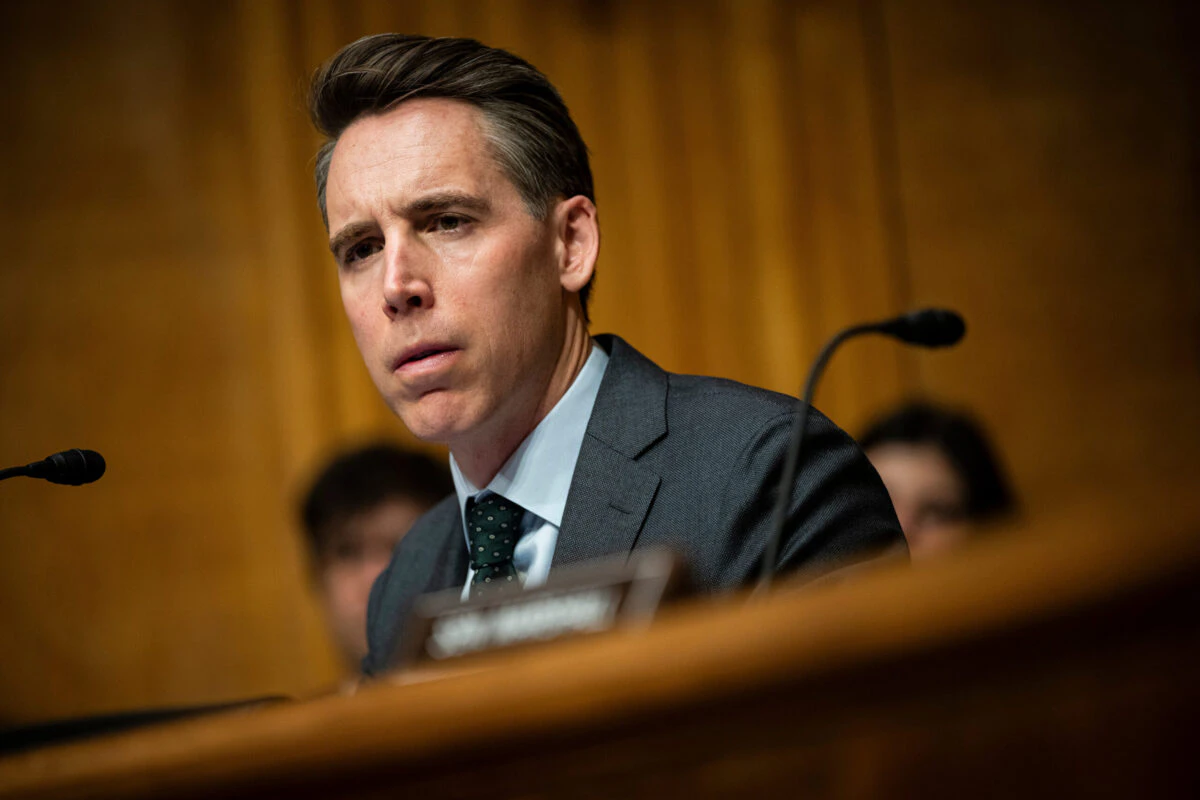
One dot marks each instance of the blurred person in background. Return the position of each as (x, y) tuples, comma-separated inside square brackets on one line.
[(941, 473), (356, 511)]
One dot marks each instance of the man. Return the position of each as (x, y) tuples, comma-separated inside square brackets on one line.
[(458, 198), (359, 506)]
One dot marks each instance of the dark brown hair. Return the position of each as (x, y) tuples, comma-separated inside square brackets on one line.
[(359, 480), (533, 137)]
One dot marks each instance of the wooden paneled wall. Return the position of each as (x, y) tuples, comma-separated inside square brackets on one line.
[(768, 171)]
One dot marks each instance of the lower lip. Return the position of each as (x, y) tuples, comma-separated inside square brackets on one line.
[(428, 365)]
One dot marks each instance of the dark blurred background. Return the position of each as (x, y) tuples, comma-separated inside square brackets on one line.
[(768, 171)]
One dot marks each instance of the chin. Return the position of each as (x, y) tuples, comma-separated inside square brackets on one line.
[(434, 419), (423, 429)]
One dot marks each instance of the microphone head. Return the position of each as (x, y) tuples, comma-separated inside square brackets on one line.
[(929, 327), (74, 467)]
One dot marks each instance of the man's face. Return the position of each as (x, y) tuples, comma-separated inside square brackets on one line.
[(452, 288), (928, 494)]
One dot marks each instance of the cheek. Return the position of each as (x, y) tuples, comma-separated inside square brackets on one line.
[(333, 585), (535, 300), (353, 303), (357, 306), (508, 299), (347, 588), (516, 266)]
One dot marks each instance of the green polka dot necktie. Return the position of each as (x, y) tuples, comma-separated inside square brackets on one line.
[(493, 527)]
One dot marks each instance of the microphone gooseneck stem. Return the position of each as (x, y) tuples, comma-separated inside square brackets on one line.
[(791, 461), (13, 472)]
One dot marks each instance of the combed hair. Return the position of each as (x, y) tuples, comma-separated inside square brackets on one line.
[(527, 124)]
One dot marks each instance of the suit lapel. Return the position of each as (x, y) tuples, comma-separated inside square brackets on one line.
[(610, 491)]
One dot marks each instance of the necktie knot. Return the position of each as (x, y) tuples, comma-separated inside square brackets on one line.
[(493, 528)]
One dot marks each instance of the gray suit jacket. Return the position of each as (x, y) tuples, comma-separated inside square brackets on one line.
[(678, 461)]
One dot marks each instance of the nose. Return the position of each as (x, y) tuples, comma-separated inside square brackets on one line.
[(406, 286)]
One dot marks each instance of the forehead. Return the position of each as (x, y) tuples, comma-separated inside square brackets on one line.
[(915, 467), (422, 144)]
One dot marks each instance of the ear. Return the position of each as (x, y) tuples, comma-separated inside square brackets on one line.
[(578, 230)]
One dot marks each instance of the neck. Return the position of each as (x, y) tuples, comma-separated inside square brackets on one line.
[(480, 460)]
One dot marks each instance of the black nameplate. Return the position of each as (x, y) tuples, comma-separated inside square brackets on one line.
[(588, 598)]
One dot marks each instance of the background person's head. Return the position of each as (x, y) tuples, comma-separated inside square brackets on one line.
[(357, 509), (941, 473)]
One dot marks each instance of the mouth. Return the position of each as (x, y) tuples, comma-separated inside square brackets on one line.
[(422, 356)]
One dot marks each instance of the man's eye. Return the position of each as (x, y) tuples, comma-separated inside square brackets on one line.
[(448, 223), (360, 250), (343, 551)]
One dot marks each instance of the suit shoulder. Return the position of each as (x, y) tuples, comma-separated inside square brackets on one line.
[(720, 396)]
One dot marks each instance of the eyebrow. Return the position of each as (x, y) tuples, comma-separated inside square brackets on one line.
[(440, 201), (347, 234)]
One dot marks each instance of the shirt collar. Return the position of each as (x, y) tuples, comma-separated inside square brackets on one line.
[(537, 476)]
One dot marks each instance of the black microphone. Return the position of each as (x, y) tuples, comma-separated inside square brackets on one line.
[(70, 467), (928, 327)]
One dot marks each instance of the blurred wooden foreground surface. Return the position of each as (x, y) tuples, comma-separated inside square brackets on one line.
[(1059, 661)]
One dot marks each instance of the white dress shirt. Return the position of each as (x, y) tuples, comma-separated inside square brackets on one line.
[(538, 475)]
